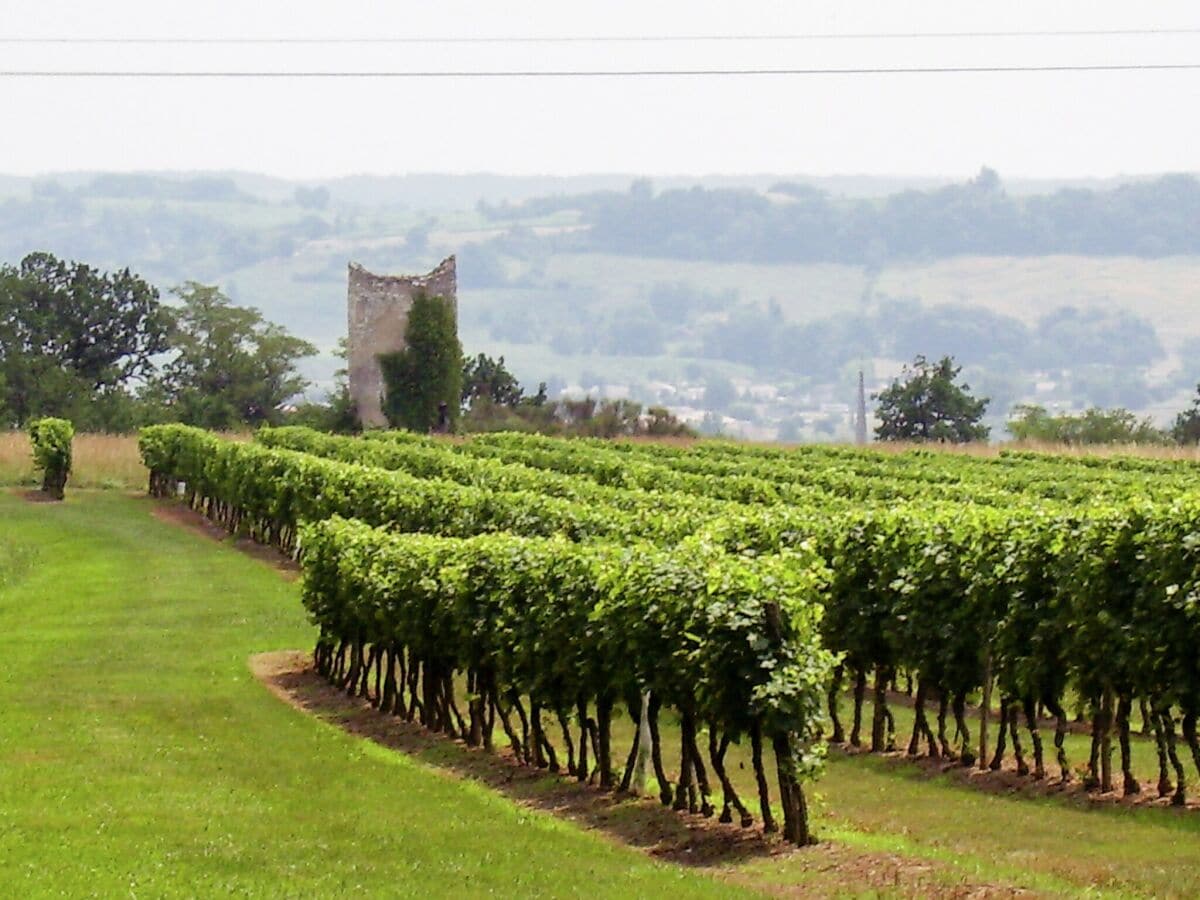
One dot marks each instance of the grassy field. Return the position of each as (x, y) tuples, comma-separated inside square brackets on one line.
[(1162, 290), (138, 756)]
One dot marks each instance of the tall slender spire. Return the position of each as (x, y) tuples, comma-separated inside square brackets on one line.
[(860, 417)]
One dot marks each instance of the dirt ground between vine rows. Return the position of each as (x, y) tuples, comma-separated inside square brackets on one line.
[(642, 823)]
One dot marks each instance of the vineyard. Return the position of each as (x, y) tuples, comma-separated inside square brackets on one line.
[(531, 588)]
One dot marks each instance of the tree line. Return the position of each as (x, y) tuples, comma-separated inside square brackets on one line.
[(1065, 338), (800, 223), (927, 402), (104, 350)]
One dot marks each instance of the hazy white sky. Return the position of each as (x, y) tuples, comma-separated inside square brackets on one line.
[(1067, 124)]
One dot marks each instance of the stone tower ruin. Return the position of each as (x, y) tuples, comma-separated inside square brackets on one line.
[(377, 315)]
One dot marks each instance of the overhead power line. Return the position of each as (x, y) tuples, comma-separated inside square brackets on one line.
[(611, 38), (588, 73)]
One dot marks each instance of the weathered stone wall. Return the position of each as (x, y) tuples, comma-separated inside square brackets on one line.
[(377, 312)]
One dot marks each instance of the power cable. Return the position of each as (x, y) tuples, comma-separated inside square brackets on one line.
[(593, 73), (611, 38)]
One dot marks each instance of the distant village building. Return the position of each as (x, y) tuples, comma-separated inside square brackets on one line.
[(377, 316)]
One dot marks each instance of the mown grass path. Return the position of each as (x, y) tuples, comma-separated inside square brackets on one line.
[(138, 756)]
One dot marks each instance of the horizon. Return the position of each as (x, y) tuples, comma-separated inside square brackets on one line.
[(915, 176)]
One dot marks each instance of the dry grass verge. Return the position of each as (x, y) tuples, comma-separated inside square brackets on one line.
[(109, 461)]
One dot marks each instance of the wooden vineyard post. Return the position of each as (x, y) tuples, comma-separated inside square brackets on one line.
[(638, 784), (985, 709)]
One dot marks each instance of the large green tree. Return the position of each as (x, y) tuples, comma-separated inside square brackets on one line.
[(428, 372), (487, 379), (232, 367), (73, 339), (926, 404)]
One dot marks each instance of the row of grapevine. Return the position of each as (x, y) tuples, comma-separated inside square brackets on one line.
[(699, 475), (853, 473), (952, 593), (581, 463), (1006, 576), (1102, 603), (267, 492), (574, 630), (441, 461)]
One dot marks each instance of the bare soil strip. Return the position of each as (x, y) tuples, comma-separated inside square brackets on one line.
[(1007, 781), (642, 823)]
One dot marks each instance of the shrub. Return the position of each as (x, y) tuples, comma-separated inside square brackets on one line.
[(52, 453)]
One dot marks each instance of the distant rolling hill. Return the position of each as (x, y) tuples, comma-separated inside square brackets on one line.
[(624, 323)]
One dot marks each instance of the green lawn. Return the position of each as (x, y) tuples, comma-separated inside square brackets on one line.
[(139, 757)]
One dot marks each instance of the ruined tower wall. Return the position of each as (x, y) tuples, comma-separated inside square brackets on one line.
[(377, 311)]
